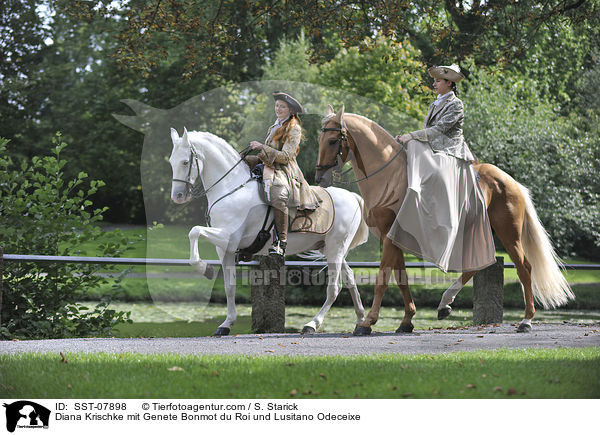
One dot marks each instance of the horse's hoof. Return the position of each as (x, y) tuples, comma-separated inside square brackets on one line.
[(524, 327), (221, 332), (210, 272), (405, 328), (444, 313), (362, 330), (308, 330)]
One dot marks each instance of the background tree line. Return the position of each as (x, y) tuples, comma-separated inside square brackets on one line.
[(533, 71)]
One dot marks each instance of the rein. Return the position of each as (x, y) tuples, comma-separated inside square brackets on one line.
[(194, 159), (344, 138)]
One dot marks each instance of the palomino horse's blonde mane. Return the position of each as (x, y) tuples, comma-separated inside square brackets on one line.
[(376, 148), (367, 130)]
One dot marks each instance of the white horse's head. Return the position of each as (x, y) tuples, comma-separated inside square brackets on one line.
[(185, 165)]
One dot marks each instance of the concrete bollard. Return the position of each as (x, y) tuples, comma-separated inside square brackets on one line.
[(268, 296), (488, 294), (1, 272)]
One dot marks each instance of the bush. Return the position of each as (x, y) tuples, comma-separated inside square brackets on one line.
[(509, 125), (42, 213)]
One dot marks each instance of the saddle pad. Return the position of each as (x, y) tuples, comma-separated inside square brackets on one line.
[(317, 221)]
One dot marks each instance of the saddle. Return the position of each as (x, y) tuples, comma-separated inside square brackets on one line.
[(317, 221)]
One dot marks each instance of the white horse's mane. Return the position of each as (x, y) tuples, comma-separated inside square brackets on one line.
[(203, 137)]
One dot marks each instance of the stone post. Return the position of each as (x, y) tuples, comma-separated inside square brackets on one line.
[(1, 272), (488, 294), (268, 296)]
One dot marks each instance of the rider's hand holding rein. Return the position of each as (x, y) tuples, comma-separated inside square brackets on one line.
[(255, 145), (403, 139)]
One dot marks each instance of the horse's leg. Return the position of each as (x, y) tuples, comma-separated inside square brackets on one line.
[(392, 260), (334, 285), (229, 276), (506, 217), (444, 308), (515, 250), (217, 236), (349, 282), (402, 280)]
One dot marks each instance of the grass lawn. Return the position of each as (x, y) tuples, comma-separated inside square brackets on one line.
[(539, 373)]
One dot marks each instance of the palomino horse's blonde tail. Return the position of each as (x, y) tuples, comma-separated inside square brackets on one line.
[(362, 235), (550, 288)]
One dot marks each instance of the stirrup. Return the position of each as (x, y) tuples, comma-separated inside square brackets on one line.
[(278, 249)]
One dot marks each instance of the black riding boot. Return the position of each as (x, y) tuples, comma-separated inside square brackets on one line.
[(281, 227)]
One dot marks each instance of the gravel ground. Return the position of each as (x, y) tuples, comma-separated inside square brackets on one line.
[(544, 335)]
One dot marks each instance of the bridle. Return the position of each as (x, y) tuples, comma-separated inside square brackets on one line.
[(341, 140), (189, 186), (195, 190)]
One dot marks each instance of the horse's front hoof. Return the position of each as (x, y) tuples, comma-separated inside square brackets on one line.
[(444, 313), (220, 332), (524, 327), (308, 330), (210, 272), (405, 328), (362, 330)]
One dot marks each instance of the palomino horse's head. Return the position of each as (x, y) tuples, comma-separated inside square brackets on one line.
[(333, 143), (186, 167)]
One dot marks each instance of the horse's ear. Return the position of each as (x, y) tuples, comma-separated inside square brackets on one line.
[(185, 136), (174, 136), (330, 110), (340, 115)]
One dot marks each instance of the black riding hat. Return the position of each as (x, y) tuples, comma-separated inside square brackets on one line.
[(295, 106)]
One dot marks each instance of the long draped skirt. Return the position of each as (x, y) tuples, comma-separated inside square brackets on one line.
[(443, 218)]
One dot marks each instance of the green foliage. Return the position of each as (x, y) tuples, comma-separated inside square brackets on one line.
[(43, 213), (508, 124), (384, 70)]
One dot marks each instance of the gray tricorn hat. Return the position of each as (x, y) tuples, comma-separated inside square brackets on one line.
[(295, 106), (451, 73)]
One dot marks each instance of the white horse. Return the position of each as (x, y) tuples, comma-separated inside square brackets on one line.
[(237, 213)]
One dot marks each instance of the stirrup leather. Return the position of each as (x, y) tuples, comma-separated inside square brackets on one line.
[(278, 248)]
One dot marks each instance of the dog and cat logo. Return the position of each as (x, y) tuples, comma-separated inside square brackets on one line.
[(26, 415)]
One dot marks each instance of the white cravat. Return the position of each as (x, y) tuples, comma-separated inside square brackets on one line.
[(275, 127), (441, 98)]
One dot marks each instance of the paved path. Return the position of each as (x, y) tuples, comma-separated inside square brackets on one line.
[(432, 341)]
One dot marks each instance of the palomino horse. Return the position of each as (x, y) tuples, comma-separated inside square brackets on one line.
[(379, 165), (237, 213)]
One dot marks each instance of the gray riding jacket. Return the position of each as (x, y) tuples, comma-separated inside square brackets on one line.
[(443, 129)]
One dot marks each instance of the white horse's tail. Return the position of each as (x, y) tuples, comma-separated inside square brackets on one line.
[(550, 288), (362, 234)]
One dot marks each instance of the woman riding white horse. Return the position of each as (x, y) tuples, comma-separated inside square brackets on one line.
[(237, 213)]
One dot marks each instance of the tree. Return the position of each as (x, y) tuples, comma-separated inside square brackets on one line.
[(227, 37), (385, 70), (507, 123), (22, 42)]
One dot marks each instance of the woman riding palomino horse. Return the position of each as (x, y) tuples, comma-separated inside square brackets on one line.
[(284, 183), (432, 200), (443, 218)]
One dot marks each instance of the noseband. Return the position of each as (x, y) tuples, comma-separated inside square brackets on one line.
[(342, 138), (188, 184)]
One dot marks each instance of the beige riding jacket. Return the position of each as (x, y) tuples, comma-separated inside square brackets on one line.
[(282, 157)]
